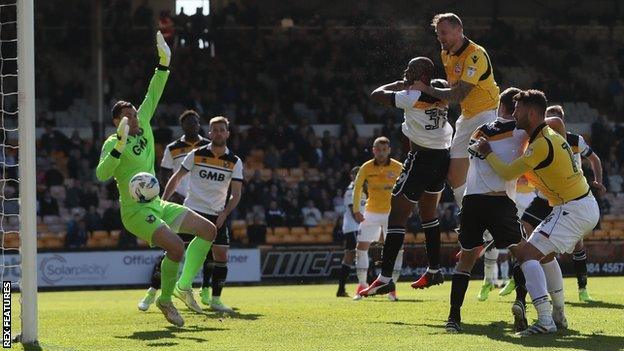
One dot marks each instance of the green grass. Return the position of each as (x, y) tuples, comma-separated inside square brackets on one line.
[(310, 317)]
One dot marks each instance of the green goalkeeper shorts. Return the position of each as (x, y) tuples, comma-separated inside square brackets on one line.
[(142, 220)]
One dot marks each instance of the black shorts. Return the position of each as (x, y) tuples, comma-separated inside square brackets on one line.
[(223, 233), (498, 214), (537, 211), (423, 171), (350, 240)]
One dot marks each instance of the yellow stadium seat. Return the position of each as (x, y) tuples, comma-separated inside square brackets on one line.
[(298, 231), (281, 231), (307, 239), (100, 234), (618, 225), (282, 172), (410, 238), (420, 238), (324, 238), (318, 230), (239, 223), (273, 239), (606, 225), (290, 239), (616, 234)]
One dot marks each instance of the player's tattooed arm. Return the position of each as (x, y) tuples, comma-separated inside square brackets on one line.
[(384, 95), (454, 94)]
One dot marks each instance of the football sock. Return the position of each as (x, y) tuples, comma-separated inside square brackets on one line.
[(490, 267), (520, 283), (432, 242), (398, 265), (391, 248), (361, 265), (345, 270), (195, 257), (579, 258), (209, 264), (536, 286), (554, 282), (155, 279), (459, 286), (504, 269), (459, 194), (168, 273), (218, 277)]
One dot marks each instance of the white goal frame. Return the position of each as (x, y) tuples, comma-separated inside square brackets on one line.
[(27, 169)]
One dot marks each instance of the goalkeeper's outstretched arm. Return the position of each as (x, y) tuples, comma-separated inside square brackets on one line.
[(158, 81)]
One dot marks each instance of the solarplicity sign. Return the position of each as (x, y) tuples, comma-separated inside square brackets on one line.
[(101, 268)]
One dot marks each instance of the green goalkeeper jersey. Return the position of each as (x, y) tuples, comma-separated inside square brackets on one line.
[(139, 154)]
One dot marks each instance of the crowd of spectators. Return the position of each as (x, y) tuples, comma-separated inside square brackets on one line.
[(279, 81)]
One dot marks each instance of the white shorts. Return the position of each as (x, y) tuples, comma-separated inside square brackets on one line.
[(523, 200), (373, 225), (566, 225), (464, 129)]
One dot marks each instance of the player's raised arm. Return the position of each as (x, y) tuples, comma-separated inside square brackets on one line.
[(111, 152), (384, 95), (158, 81)]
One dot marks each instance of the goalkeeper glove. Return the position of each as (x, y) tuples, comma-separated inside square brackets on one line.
[(164, 52), (122, 135)]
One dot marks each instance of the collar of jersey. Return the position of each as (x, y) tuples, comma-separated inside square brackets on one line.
[(209, 147), (183, 139), (537, 131), (374, 161), (461, 49)]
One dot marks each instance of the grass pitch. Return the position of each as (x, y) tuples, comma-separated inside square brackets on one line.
[(310, 317)]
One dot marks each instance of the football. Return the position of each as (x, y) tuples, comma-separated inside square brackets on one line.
[(144, 187)]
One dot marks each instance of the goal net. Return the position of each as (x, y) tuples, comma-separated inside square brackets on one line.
[(17, 165)]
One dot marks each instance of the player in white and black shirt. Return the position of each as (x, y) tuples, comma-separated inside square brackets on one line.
[(424, 172), (350, 230), (215, 186), (176, 151), (488, 203)]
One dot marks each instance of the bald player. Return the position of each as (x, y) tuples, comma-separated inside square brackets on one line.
[(470, 74), (423, 174)]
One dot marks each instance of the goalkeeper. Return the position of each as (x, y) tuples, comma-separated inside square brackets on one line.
[(130, 151)]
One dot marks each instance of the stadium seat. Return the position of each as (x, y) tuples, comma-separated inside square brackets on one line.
[(618, 225), (616, 234), (606, 225), (420, 238), (100, 234), (298, 231), (273, 239), (239, 233), (307, 239), (281, 231), (325, 239), (448, 237), (142, 243), (318, 230), (282, 172), (410, 238)]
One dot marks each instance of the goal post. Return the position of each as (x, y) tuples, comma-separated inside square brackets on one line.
[(27, 169)]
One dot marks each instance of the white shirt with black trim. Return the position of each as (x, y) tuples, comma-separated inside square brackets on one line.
[(425, 123), (180, 148), (210, 178)]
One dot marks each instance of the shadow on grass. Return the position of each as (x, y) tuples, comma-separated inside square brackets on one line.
[(503, 331), (399, 300), (170, 333), (599, 304), (235, 315)]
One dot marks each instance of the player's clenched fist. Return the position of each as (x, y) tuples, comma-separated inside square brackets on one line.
[(481, 147)]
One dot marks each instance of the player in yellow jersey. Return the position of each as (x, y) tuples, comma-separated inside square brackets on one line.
[(548, 163), (379, 176), (470, 74)]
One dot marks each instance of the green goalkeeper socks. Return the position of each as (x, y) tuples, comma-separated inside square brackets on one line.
[(195, 257), (168, 275)]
